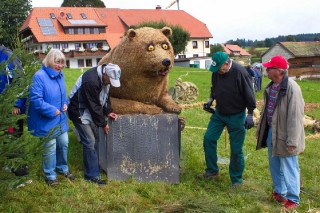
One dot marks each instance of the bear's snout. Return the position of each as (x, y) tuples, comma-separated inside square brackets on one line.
[(166, 62)]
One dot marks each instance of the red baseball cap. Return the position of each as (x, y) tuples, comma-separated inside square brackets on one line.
[(277, 62)]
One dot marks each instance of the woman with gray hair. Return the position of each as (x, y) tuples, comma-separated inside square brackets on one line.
[(46, 116)]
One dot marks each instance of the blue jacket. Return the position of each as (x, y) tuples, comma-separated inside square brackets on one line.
[(47, 94), (6, 78)]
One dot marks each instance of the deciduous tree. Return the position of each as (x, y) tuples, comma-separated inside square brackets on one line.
[(179, 38), (82, 3), (12, 15)]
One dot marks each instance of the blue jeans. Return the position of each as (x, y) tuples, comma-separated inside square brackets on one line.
[(89, 138), (285, 173), (55, 156)]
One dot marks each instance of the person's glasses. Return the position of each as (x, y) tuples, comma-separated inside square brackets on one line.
[(59, 63)]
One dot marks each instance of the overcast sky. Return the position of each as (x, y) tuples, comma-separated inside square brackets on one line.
[(226, 20)]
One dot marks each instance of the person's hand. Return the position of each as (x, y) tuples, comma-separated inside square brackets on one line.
[(57, 112), (182, 123), (113, 116), (207, 106), (106, 129), (249, 121), (291, 149), (65, 107), (16, 111)]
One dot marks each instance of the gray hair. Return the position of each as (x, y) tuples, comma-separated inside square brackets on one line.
[(53, 57)]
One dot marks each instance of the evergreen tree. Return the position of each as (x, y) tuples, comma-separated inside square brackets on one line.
[(179, 38), (13, 13), (16, 151), (82, 3)]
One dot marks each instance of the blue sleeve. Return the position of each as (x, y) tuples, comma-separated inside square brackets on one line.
[(37, 100), (21, 104)]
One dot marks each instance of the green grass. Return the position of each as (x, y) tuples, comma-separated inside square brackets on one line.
[(191, 194)]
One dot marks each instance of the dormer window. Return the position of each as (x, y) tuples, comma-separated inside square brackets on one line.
[(69, 16), (52, 15), (83, 15)]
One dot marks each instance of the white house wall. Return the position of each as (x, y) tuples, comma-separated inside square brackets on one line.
[(201, 50), (204, 63)]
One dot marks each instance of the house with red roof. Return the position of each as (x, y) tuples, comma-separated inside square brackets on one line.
[(86, 34), (237, 53)]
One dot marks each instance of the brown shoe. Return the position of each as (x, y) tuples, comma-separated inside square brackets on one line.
[(69, 176), (54, 182), (236, 185), (207, 175)]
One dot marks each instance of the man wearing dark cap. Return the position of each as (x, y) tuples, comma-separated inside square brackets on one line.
[(232, 90), (88, 109), (281, 129)]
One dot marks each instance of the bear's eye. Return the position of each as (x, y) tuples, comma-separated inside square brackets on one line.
[(150, 47), (165, 46)]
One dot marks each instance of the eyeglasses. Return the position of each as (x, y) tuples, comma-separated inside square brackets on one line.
[(59, 63)]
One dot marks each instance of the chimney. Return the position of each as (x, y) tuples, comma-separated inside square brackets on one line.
[(158, 7)]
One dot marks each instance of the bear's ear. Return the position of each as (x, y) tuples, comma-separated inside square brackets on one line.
[(131, 33), (167, 31)]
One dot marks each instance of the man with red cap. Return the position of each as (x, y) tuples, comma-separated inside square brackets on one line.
[(281, 129)]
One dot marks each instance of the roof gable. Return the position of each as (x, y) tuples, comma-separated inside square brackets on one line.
[(235, 50)]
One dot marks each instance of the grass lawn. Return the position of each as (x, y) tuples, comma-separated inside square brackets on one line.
[(192, 194)]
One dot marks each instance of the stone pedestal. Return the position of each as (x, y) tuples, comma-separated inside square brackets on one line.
[(145, 147)]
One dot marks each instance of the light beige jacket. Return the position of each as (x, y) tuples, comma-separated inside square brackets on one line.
[(287, 120)]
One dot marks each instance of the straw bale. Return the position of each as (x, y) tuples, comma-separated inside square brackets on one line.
[(145, 57)]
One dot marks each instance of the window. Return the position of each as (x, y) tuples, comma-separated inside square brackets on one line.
[(80, 63), (195, 55), (88, 62), (71, 31), (77, 45), (80, 30), (83, 15), (69, 16), (56, 46), (206, 44), (181, 56), (64, 45), (52, 15), (98, 59), (195, 44), (68, 63), (87, 30), (95, 30), (89, 45)]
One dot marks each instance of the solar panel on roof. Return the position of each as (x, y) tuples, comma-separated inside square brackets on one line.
[(46, 26), (48, 30), (44, 22), (83, 22)]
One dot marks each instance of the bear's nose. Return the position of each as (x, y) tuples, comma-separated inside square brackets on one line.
[(166, 62)]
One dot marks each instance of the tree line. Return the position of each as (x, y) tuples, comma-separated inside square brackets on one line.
[(268, 42)]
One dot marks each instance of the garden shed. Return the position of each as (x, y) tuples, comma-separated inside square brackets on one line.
[(303, 57)]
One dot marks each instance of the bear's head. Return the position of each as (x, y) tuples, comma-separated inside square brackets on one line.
[(146, 52)]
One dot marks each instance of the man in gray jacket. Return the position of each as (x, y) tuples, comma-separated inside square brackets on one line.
[(281, 130)]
